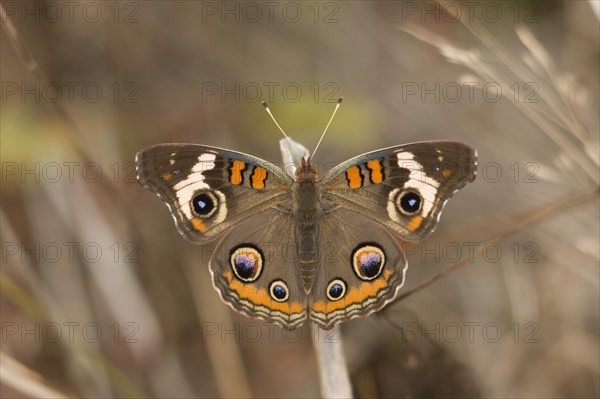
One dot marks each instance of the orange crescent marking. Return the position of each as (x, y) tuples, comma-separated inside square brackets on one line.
[(446, 173), (260, 296), (248, 290), (355, 295), (236, 172), (319, 307), (199, 225), (259, 176), (166, 176), (354, 177), (376, 168), (414, 223)]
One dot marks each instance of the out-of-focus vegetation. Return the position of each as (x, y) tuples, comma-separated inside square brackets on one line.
[(101, 297)]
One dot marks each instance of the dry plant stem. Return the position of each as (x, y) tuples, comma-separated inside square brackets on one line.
[(26, 381), (539, 53), (551, 122), (73, 135), (225, 357), (12, 373), (36, 302), (32, 66), (20, 48), (552, 209), (333, 370)]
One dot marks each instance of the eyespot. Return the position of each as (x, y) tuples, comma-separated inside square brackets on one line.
[(409, 202), (368, 261), (246, 261), (205, 204), (336, 289), (279, 291)]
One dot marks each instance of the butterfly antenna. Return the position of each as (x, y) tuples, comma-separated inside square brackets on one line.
[(299, 156), (337, 106), (272, 117)]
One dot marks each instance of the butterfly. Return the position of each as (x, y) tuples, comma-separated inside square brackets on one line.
[(298, 247)]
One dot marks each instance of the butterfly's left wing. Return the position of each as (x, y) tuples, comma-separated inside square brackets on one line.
[(209, 189), (405, 187)]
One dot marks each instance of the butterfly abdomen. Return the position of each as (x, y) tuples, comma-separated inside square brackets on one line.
[(307, 214)]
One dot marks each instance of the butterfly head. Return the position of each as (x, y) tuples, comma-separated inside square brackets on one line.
[(307, 171)]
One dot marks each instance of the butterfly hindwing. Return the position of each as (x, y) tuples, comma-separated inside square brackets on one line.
[(254, 269), (361, 269), (209, 189)]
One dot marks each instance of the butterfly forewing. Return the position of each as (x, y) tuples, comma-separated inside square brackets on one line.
[(405, 187), (208, 189)]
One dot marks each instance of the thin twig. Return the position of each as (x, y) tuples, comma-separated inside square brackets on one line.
[(557, 117), (333, 370), (26, 381), (554, 208), (32, 66), (34, 299), (74, 135), (225, 356)]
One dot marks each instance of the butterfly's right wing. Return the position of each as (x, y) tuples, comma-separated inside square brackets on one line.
[(209, 189)]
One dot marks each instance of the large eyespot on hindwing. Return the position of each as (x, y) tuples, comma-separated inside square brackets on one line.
[(279, 291), (368, 260), (336, 289), (246, 260)]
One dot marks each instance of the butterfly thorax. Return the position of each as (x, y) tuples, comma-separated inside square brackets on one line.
[(307, 212), (306, 172)]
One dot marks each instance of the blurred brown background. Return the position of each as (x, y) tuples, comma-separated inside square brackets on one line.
[(101, 297)]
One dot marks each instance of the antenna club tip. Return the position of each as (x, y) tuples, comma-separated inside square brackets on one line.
[(264, 104), (340, 100)]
